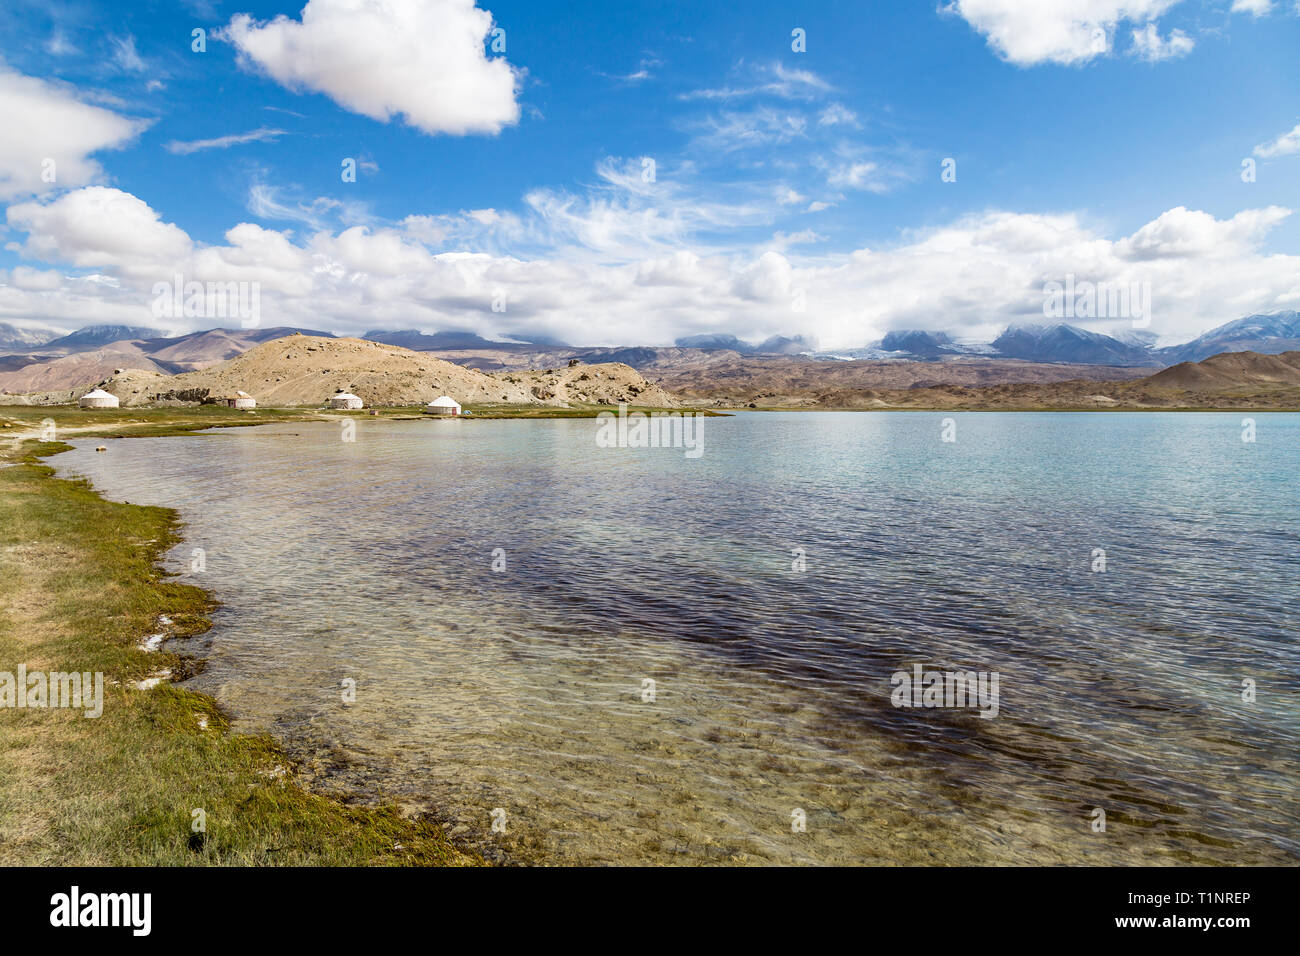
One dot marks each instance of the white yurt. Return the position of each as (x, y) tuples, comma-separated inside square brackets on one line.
[(444, 405), (241, 400), (98, 398), (346, 400)]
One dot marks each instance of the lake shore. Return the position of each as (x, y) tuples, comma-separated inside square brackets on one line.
[(85, 591), (85, 587), (157, 778)]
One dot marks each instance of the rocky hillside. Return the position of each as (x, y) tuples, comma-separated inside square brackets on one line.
[(1237, 380), (306, 370), (1232, 370), (798, 381)]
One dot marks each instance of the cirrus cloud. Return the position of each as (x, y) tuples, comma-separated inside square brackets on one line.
[(1152, 47), (1284, 145), (259, 135)]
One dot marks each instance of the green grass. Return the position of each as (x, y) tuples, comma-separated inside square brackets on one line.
[(145, 421), (79, 588), (136, 422)]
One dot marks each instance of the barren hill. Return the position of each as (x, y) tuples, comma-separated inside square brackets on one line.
[(307, 370), (1242, 380), (78, 369), (766, 380), (204, 349), (71, 362), (1231, 370)]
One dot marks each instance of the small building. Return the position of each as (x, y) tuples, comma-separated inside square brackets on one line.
[(98, 398), (241, 400), (444, 405), (346, 400)]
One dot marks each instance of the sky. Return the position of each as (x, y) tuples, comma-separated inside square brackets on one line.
[(605, 174)]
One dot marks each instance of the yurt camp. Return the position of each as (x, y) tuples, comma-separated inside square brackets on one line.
[(98, 398), (346, 400), (241, 400), (443, 405)]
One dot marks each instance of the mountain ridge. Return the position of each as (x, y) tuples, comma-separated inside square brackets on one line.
[(71, 360)]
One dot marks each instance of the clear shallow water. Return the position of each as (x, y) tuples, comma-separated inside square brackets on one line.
[(522, 689)]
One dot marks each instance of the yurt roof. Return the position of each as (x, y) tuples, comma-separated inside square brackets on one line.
[(98, 393), (347, 395), (445, 401)]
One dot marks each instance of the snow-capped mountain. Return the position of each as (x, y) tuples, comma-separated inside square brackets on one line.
[(14, 338), (1067, 343), (1268, 334)]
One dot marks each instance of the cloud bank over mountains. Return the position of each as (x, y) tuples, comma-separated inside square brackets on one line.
[(718, 235), (620, 267)]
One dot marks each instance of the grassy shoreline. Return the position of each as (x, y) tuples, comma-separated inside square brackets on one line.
[(80, 587)]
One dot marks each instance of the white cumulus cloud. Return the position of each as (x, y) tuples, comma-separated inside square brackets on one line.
[(1187, 233), (98, 227), (1029, 32), (422, 60), (619, 268), (49, 136)]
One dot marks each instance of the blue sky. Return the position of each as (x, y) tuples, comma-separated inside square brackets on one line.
[(1103, 138)]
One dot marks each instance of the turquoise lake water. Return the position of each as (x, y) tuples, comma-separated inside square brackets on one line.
[(524, 689)]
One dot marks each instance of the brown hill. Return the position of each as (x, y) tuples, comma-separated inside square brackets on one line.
[(77, 369), (1231, 370), (1238, 380), (53, 367), (699, 374), (307, 370), (798, 381), (205, 349)]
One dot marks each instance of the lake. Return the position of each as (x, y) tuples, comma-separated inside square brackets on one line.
[(631, 655)]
